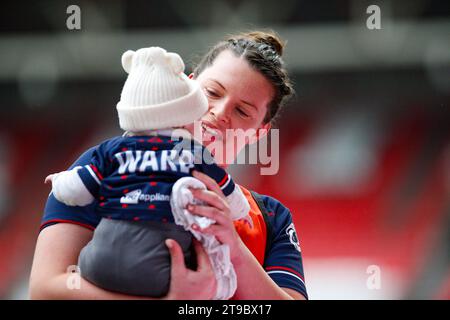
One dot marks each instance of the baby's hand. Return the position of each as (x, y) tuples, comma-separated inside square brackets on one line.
[(49, 178)]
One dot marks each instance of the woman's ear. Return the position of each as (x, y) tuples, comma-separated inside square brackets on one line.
[(261, 132)]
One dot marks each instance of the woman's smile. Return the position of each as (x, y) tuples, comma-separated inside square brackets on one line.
[(210, 132)]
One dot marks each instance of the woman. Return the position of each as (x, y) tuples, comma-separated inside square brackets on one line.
[(246, 84)]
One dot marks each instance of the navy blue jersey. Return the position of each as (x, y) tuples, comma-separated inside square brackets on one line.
[(132, 177), (283, 261)]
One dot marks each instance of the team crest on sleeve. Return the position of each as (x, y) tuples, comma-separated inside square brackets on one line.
[(290, 231)]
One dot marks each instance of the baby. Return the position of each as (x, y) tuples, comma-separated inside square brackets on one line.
[(141, 182)]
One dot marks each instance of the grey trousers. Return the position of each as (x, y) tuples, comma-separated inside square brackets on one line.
[(131, 256)]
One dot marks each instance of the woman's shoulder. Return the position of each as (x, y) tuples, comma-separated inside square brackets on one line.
[(271, 203), (276, 213)]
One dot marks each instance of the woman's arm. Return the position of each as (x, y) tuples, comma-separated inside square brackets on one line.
[(253, 281), (57, 248), (59, 245)]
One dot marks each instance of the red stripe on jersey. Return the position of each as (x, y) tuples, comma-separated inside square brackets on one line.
[(67, 221), (222, 182), (99, 175), (286, 269)]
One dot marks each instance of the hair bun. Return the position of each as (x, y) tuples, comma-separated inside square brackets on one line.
[(270, 38)]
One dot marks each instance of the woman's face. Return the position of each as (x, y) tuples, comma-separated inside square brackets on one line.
[(238, 98)]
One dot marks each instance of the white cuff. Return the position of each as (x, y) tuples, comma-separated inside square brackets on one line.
[(68, 188), (239, 205)]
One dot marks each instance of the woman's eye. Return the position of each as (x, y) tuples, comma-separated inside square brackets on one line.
[(242, 113), (211, 93)]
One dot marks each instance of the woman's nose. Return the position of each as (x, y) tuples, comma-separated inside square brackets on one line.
[(221, 112)]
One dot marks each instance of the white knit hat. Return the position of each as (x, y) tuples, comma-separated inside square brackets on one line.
[(157, 93)]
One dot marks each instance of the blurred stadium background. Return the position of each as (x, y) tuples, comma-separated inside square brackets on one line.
[(364, 146)]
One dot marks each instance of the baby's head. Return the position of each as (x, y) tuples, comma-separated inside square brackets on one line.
[(157, 94)]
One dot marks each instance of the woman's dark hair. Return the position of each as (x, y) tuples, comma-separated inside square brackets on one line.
[(263, 51)]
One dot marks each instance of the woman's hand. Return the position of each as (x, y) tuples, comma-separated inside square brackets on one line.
[(187, 284), (217, 208)]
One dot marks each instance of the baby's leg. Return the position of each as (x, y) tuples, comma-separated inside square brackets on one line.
[(131, 257)]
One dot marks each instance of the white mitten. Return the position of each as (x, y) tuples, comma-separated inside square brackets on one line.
[(68, 188)]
